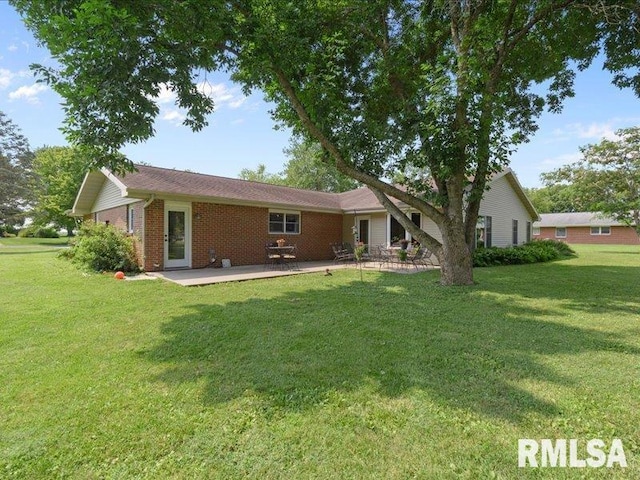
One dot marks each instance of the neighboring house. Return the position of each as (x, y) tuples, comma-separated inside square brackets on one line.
[(178, 216), (584, 227)]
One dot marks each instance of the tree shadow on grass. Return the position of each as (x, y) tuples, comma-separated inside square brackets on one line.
[(458, 345)]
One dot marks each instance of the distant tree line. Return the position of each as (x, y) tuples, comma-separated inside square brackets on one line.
[(606, 179)]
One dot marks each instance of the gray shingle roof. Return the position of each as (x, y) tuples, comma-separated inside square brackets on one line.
[(575, 219), (163, 181), (191, 186)]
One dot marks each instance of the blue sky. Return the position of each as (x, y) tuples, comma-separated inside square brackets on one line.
[(241, 134)]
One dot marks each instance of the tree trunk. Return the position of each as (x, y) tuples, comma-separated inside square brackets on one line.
[(456, 263)]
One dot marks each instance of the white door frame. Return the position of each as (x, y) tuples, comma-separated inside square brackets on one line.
[(178, 207), (368, 219)]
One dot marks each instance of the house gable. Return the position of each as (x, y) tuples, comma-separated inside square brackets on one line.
[(100, 190)]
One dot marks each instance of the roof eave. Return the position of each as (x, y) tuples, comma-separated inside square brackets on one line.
[(143, 194)]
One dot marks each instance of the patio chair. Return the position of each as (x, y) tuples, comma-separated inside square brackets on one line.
[(271, 258), (422, 257), (382, 256), (341, 254), (291, 257)]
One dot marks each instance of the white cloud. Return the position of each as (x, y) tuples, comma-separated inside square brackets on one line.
[(29, 93), (222, 95), (593, 131), (12, 48), (166, 95), (174, 116), (5, 77), (550, 163)]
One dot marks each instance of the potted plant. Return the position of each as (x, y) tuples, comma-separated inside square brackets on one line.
[(281, 242), (404, 243)]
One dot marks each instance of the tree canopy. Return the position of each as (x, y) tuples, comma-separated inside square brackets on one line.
[(607, 178), (554, 198), (58, 174), (305, 168), (260, 174), (449, 86), (15, 173)]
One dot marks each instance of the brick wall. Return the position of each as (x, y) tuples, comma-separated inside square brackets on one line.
[(619, 236), (115, 216), (240, 233), (154, 236)]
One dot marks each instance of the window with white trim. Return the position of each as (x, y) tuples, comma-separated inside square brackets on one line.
[(130, 218), (397, 231), (284, 222), (483, 231), (536, 231), (600, 230), (561, 232)]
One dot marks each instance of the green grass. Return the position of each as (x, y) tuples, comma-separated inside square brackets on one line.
[(314, 377)]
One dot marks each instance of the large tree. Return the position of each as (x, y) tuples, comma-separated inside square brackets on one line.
[(607, 178), (260, 174), (554, 198), (58, 174), (305, 168), (15, 174), (447, 86)]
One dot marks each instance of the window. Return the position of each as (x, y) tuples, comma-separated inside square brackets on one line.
[(284, 222), (483, 232), (130, 218), (600, 230), (528, 231), (561, 232), (397, 231), (514, 232), (536, 231)]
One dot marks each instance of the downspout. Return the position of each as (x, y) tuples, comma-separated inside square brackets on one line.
[(149, 201)]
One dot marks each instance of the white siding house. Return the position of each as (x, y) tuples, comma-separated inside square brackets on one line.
[(506, 216)]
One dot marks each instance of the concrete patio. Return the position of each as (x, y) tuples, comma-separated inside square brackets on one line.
[(207, 276)]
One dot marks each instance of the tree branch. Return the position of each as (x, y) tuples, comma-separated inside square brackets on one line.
[(342, 165)]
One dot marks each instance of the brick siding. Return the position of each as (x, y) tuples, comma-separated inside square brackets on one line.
[(240, 233), (618, 236), (154, 236), (115, 216)]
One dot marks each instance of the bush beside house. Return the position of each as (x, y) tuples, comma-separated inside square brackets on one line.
[(102, 247), (535, 251)]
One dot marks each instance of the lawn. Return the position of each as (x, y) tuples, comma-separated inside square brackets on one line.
[(312, 376)]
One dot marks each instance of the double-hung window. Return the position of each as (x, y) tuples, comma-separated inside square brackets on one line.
[(130, 218), (284, 222), (483, 231)]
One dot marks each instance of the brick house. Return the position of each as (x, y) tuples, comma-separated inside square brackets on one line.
[(177, 217), (584, 227)]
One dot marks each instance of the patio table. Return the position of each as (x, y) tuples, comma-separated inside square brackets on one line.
[(282, 253)]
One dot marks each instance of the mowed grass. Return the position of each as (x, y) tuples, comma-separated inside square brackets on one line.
[(312, 376)]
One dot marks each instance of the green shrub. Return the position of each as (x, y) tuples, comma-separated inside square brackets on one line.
[(37, 231), (102, 247), (533, 252), (8, 231)]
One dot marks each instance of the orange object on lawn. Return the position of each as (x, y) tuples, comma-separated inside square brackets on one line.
[(119, 275)]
